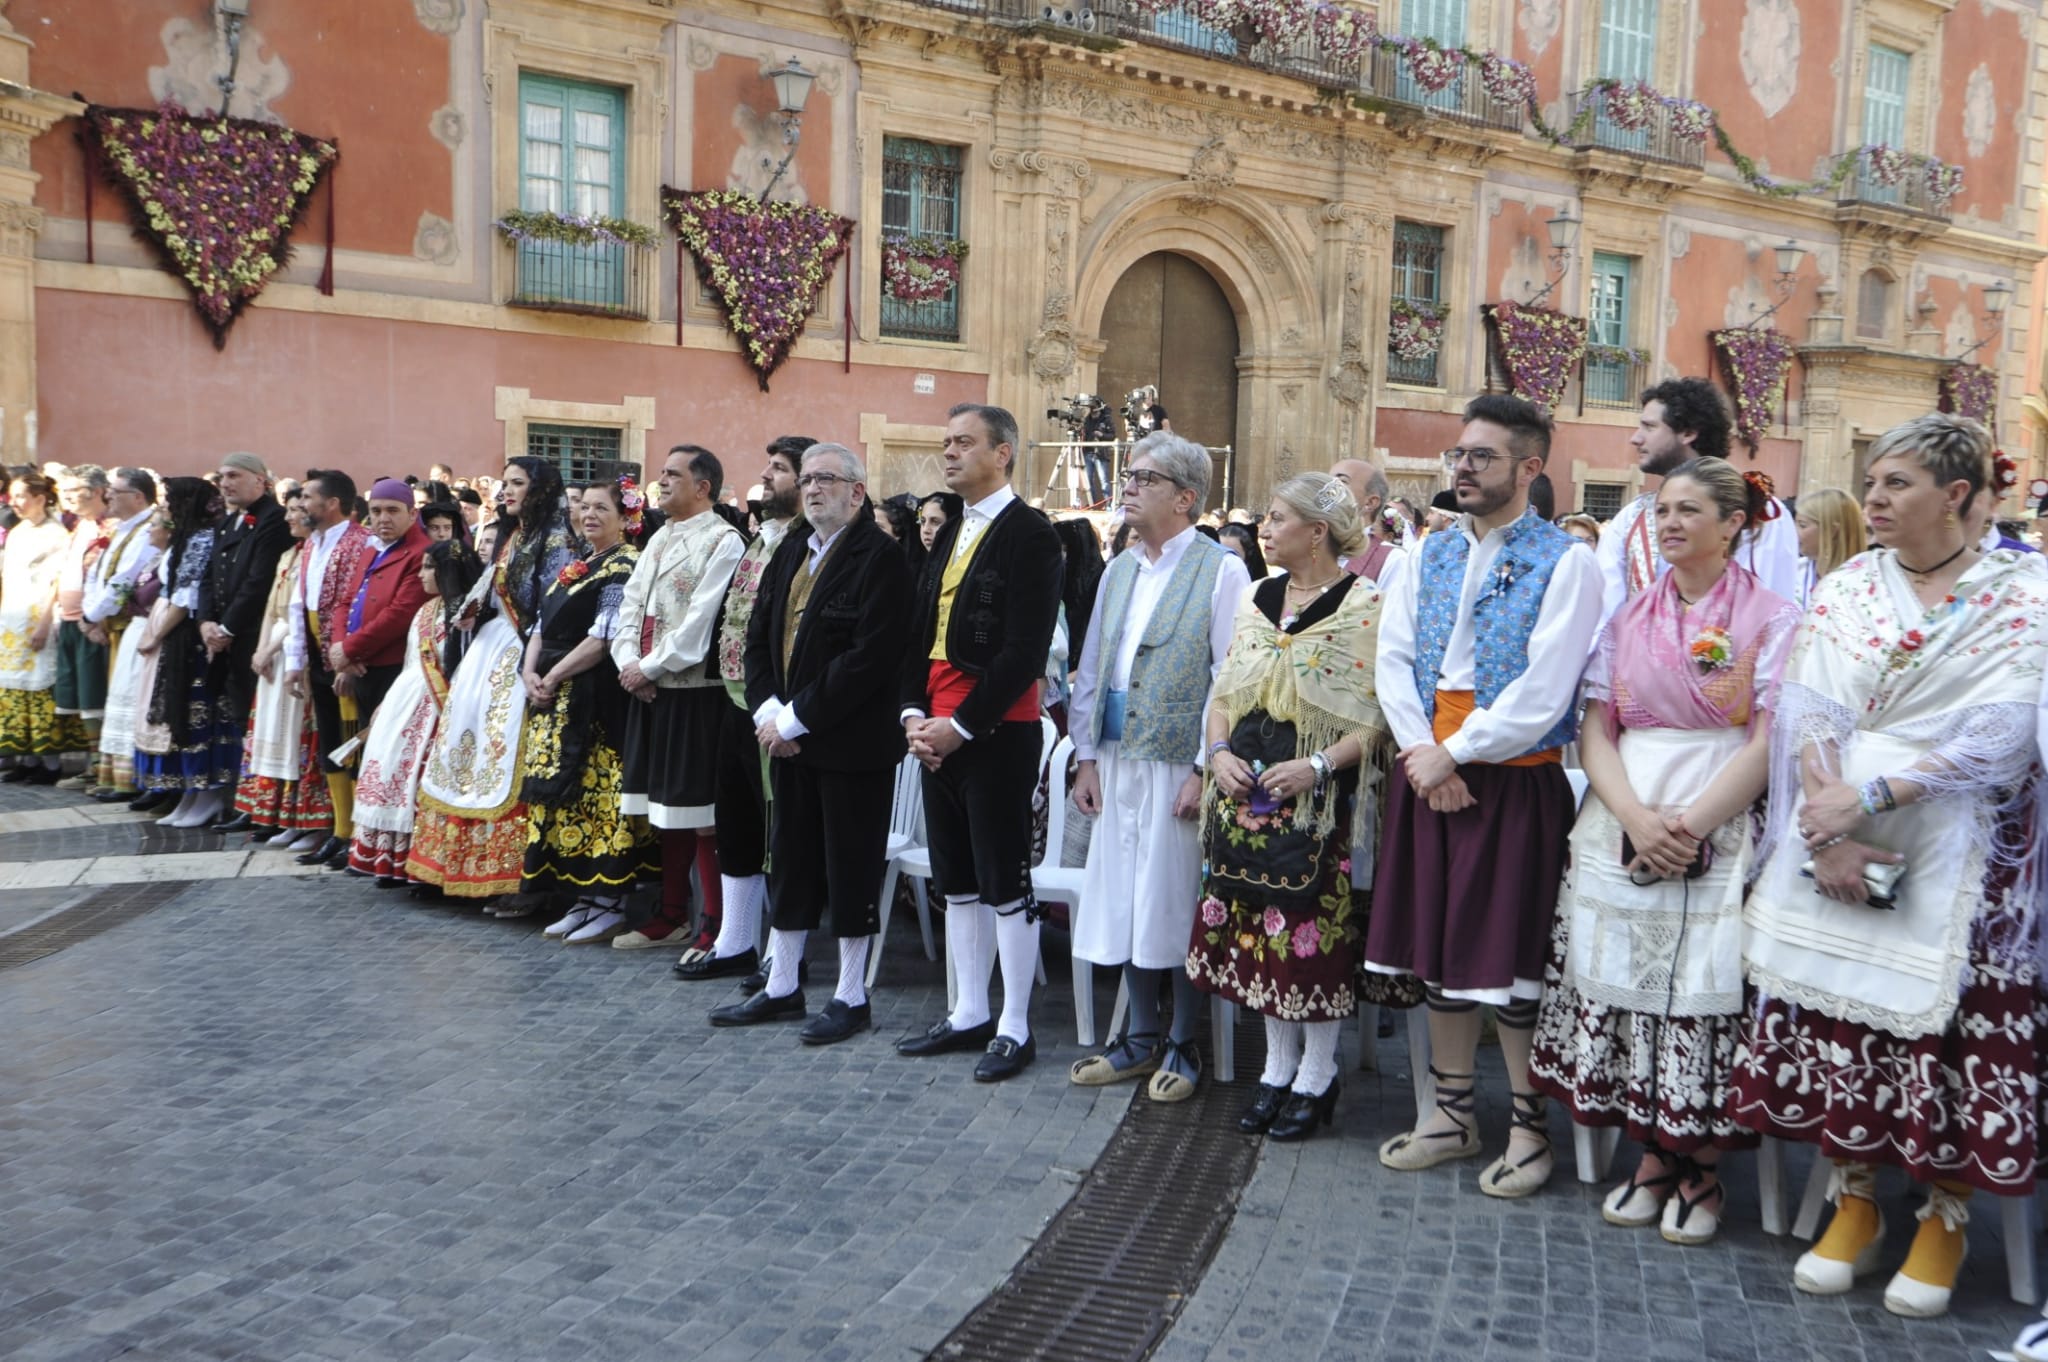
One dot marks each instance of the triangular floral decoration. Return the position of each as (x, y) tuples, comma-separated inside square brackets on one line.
[(1538, 349), (765, 262), (1757, 361), (1969, 390), (217, 197)]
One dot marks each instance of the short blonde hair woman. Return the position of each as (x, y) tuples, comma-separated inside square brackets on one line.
[(1831, 532)]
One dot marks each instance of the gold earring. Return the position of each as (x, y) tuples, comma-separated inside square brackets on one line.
[(1951, 517)]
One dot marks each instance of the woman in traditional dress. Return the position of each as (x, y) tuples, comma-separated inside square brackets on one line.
[(1292, 716), (32, 738), (1643, 995), (469, 833), (1893, 939), (580, 849), (176, 746), (1831, 532), (283, 793), (123, 589), (402, 730)]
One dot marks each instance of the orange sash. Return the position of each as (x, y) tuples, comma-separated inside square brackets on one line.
[(1454, 707)]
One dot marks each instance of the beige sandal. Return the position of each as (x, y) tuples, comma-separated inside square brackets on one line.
[(1415, 1151)]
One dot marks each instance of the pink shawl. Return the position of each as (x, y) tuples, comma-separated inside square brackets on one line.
[(1650, 649)]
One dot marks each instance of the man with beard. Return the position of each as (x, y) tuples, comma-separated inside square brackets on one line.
[(251, 537), (742, 799), (1481, 646), (824, 653), (1686, 418)]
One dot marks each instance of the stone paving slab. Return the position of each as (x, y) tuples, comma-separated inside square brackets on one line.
[(329, 1123)]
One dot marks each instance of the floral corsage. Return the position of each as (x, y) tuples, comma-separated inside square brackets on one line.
[(1713, 650), (573, 573), (248, 520)]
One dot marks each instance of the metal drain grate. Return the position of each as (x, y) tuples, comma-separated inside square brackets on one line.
[(109, 908), (1115, 1266)]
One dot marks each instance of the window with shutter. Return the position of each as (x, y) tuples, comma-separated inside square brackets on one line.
[(1442, 21), (1610, 379), (582, 453), (572, 160), (1418, 278), (921, 199)]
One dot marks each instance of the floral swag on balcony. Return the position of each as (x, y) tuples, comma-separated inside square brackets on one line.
[(216, 197), (1969, 390), (919, 269), (571, 229), (766, 262), (1415, 331), (1539, 349), (1757, 362)]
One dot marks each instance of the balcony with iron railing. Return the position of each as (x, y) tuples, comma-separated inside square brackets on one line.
[(1657, 140), (1465, 100), (599, 279), (1612, 377), (1914, 188)]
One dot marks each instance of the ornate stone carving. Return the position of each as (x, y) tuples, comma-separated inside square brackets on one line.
[(700, 55), (1263, 251), (1062, 174), (1540, 20), (1290, 339), (1052, 350), (1679, 240), (19, 224), (1350, 383), (14, 149), (448, 126), (434, 240), (1770, 53), (438, 16), (1214, 170), (1980, 110), (196, 57), (1107, 106)]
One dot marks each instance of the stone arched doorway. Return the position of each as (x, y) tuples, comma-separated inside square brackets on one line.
[(1168, 322)]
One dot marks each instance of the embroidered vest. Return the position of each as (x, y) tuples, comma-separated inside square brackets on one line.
[(1169, 683), (800, 600), (739, 604), (1504, 612)]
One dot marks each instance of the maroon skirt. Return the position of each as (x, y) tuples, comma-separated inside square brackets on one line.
[(1464, 901)]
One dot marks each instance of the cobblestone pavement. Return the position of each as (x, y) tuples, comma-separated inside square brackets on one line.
[(281, 1119)]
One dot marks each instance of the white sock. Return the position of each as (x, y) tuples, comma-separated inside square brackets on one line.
[(1017, 947), (176, 818), (1318, 1058), (741, 925), (1283, 1052), (282, 839), (306, 841), (787, 950), (967, 921), (853, 970)]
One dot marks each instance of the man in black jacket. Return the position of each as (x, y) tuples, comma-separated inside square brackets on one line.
[(824, 650), (251, 537), (980, 635)]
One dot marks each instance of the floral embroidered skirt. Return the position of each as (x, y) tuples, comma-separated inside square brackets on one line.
[(208, 759), (472, 858), (1290, 951), (1966, 1104), (301, 804), (585, 842), (31, 727)]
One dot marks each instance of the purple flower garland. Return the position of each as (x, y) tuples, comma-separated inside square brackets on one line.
[(1538, 348), (1969, 390), (217, 197), (1757, 362), (766, 262)]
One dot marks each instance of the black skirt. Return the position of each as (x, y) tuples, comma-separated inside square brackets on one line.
[(671, 756)]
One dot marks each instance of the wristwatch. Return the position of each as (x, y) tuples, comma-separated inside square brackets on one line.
[(1320, 764)]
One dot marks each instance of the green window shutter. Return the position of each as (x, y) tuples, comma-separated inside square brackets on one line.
[(1443, 21), (1884, 96), (572, 160), (1628, 39), (1613, 282)]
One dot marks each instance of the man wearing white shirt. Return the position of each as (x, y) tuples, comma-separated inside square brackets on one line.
[(317, 619), (1161, 625), (981, 630), (1687, 418), (109, 609), (824, 651), (1480, 651)]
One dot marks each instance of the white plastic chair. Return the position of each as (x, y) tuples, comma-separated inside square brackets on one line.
[(1052, 882), (907, 855)]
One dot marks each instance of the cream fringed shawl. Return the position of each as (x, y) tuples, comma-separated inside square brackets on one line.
[(1319, 679)]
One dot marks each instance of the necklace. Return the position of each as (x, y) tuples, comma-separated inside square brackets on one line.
[(1930, 571), (1323, 585)]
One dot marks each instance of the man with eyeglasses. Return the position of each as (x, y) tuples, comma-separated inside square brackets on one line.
[(824, 652), (108, 607), (981, 630), (742, 797), (1480, 651), (1681, 419)]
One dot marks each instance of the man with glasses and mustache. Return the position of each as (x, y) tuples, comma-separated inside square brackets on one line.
[(1481, 647)]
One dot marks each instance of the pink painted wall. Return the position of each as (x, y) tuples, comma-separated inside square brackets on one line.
[(373, 396)]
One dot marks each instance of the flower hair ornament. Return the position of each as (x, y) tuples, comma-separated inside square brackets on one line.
[(1773, 508), (1332, 495), (2005, 474), (632, 502), (1392, 522)]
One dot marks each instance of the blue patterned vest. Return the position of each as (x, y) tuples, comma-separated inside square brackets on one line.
[(1170, 675), (1504, 612)]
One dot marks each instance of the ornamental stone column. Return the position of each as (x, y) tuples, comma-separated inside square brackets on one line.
[(26, 113)]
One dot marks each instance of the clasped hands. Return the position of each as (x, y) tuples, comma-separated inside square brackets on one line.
[(771, 739), (1433, 771), (1833, 811), (1282, 780), (931, 740)]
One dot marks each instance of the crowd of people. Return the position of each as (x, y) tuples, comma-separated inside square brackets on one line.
[(1726, 809)]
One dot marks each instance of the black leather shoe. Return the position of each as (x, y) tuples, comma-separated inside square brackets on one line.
[(390, 882), (1005, 1059), (149, 801), (240, 822), (747, 961), (15, 775), (760, 1008), (39, 775), (758, 980), (835, 1023), (115, 796), (1304, 1115), (324, 853), (1258, 1117), (941, 1039)]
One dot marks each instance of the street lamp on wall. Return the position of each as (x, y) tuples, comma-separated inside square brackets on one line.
[(1996, 299), (792, 84), (231, 15), (1564, 234), (1790, 254)]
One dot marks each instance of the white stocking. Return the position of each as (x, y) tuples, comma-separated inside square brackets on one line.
[(1318, 1058), (853, 970), (787, 950), (1283, 1052), (741, 926), (967, 922), (1017, 947)]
